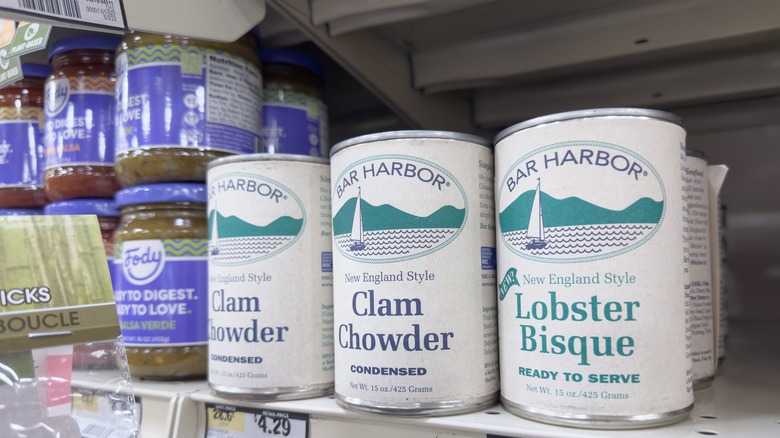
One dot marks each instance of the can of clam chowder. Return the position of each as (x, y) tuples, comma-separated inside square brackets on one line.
[(414, 273), (591, 269), (270, 277)]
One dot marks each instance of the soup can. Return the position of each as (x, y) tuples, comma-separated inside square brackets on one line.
[(591, 269), (414, 273), (270, 277)]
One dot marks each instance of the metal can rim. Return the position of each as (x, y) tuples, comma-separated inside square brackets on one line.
[(587, 114), (400, 135), (266, 157)]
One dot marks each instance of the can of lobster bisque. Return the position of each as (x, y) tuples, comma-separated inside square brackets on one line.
[(592, 310), (414, 273), (270, 277)]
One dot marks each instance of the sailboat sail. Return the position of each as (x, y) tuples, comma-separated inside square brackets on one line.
[(536, 222), (357, 226), (214, 234)]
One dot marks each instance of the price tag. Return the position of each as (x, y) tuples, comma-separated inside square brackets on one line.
[(101, 14), (96, 413), (224, 421)]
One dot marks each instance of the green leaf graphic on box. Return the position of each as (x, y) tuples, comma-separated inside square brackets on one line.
[(232, 226), (575, 211), (387, 217)]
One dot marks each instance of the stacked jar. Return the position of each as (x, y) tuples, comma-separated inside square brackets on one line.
[(21, 148), (181, 103), (295, 118)]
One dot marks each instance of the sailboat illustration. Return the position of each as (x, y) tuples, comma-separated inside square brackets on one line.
[(357, 227), (214, 235), (536, 222)]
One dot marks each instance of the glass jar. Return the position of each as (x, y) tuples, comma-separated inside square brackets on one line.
[(21, 148), (79, 117), (161, 283), (295, 118), (181, 103), (93, 355)]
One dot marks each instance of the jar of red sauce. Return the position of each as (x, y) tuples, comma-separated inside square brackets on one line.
[(21, 148), (79, 119)]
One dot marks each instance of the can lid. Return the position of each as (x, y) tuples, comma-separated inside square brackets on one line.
[(20, 212), (100, 207), (157, 193), (400, 135), (293, 58), (84, 42), (36, 70), (242, 158), (589, 113)]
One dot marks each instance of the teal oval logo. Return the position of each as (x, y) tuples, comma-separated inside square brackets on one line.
[(579, 201), (251, 218), (393, 208)]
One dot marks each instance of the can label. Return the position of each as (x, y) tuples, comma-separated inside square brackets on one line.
[(699, 292), (187, 97), (414, 269), (590, 258), (79, 128), (294, 124), (21, 152), (270, 279), (160, 290)]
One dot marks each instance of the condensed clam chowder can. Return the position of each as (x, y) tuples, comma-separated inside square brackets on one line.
[(270, 277), (699, 292), (414, 273), (592, 278)]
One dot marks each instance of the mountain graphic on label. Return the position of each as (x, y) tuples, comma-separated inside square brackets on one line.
[(234, 239), (572, 227), (385, 233)]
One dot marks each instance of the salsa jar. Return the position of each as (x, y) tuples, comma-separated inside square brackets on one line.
[(21, 148), (181, 103), (295, 118), (161, 247), (79, 119), (93, 355)]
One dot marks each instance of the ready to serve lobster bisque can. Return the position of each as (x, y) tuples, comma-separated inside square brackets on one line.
[(414, 273), (699, 297), (270, 277), (590, 263)]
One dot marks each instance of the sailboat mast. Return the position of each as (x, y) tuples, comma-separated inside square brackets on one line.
[(541, 219)]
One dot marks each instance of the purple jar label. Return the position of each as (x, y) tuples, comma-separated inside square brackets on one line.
[(294, 123), (79, 129), (187, 97), (161, 292), (21, 151)]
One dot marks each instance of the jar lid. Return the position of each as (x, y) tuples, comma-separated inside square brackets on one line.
[(156, 193), (84, 42), (35, 70), (293, 58), (100, 207), (20, 212)]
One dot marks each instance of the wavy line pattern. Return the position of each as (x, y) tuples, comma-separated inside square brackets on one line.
[(581, 240), (91, 83), (169, 53), (242, 248), (186, 247), (396, 242), (9, 113)]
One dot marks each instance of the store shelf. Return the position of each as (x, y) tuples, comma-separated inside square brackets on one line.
[(743, 402)]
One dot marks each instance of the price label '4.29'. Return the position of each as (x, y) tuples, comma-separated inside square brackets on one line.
[(225, 421)]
